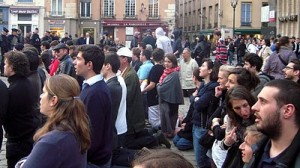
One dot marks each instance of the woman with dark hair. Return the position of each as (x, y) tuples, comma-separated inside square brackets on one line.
[(170, 95), (202, 110), (241, 76), (239, 102), (65, 138), (279, 59), (265, 51)]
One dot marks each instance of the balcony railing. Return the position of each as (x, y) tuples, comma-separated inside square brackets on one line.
[(130, 16), (57, 13), (153, 17), (108, 16), (245, 23)]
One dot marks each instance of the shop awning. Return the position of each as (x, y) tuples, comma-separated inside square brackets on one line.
[(247, 31)]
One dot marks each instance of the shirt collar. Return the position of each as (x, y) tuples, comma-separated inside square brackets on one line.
[(93, 79)]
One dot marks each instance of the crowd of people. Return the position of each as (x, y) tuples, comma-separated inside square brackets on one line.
[(101, 106)]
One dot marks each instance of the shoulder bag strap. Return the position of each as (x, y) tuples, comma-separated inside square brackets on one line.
[(284, 63)]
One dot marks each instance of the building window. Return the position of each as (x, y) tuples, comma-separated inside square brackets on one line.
[(153, 8), (109, 7), (24, 17), (22, 1), (130, 8), (57, 8), (85, 9), (246, 14)]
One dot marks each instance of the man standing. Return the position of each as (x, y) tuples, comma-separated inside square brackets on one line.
[(66, 66), (187, 66), (35, 40), (221, 50), (292, 71), (135, 40), (277, 116), (149, 39), (13, 38), (66, 38), (20, 122), (88, 39), (97, 100), (3, 106), (4, 45)]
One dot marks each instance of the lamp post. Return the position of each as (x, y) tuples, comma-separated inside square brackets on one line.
[(233, 4)]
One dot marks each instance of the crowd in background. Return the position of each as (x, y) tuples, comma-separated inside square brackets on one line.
[(76, 103)]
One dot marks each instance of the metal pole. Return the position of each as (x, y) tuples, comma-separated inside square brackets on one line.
[(233, 27)]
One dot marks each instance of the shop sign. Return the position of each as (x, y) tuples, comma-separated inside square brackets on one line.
[(131, 24), (24, 11)]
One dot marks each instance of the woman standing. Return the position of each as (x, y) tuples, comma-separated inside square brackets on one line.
[(170, 95), (265, 51), (64, 139), (279, 59)]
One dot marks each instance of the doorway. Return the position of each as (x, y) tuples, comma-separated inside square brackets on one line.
[(25, 28)]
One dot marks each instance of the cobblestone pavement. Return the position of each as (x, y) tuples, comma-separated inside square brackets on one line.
[(189, 155)]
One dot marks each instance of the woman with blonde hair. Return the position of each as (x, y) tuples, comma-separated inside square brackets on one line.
[(64, 139)]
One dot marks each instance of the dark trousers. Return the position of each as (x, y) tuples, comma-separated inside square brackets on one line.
[(168, 116), (139, 140), (16, 151), (188, 92)]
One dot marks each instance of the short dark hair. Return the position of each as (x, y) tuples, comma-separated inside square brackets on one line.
[(158, 54), (239, 93), (33, 59), (143, 45), (113, 49), (246, 78), (289, 93), (296, 63), (217, 32), (18, 61), (173, 59), (46, 44), (112, 58), (268, 42), (94, 54), (254, 60), (147, 54)]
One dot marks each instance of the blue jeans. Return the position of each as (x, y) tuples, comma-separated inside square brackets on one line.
[(230, 57), (200, 151), (182, 143)]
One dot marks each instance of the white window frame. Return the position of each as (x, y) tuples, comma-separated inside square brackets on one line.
[(85, 13), (109, 10), (55, 10), (245, 12), (132, 12), (152, 13)]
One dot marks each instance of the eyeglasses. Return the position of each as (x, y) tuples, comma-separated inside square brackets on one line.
[(287, 67)]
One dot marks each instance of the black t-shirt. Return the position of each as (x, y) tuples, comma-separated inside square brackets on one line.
[(154, 76)]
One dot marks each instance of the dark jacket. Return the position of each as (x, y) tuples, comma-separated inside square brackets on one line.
[(150, 40), (4, 44), (91, 41), (3, 105), (203, 99), (66, 66), (134, 102), (20, 121), (80, 41), (177, 46), (187, 131), (13, 40), (134, 42), (65, 39), (241, 49), (116, 95), (97, 101), (290, 157)]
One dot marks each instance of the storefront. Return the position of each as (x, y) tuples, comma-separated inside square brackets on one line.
[(25, 18), (125, 29)]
